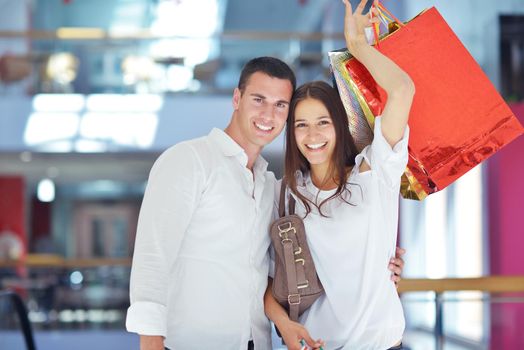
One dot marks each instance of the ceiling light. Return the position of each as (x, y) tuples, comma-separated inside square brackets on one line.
[(45, 127), (58, 103), (46, 190)]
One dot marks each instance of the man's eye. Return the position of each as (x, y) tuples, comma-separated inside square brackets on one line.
[(257, 100), (281, 105)]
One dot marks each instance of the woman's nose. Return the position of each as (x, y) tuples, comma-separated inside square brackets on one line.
[(313, 131)]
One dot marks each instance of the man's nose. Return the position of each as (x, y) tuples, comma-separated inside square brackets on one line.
[(269, 111)]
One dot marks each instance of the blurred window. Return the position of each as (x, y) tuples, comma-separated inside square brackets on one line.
[(444, 237)]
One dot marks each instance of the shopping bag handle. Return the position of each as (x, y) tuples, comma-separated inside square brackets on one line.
[(385, 17)]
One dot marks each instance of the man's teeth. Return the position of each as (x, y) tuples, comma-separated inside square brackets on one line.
[(263, 127), (316, 145)]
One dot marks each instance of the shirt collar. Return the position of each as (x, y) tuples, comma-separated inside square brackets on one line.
[(232, 149), (260, 165), (301, 179), (226, 144)]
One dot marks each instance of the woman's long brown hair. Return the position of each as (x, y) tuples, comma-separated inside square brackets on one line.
[(345, 150)]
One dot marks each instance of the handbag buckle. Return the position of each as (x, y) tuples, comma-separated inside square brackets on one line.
[(293, 299), (284, 228), (303, 285), (286, 240)]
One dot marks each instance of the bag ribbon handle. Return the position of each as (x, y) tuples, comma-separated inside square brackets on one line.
[(385, 16)]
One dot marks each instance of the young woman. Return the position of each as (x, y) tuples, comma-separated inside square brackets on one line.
[(349, 202)]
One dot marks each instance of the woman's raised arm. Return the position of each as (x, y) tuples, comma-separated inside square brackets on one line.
[(397, 84)]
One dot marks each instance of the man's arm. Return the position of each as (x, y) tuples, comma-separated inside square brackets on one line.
[(151, 342), (174, 186)]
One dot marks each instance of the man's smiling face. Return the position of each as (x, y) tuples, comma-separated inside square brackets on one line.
[(261, 110)]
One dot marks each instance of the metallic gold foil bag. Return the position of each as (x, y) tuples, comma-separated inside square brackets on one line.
[(458, 119)]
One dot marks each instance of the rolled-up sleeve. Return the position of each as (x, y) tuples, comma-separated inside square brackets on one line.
[(175, 185), (387, 162)]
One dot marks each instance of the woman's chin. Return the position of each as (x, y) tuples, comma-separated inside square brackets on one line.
[(316, 160)]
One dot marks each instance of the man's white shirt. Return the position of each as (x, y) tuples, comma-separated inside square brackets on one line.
[(200, 263)]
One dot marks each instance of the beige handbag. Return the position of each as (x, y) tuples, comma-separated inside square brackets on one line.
[(295, 284)]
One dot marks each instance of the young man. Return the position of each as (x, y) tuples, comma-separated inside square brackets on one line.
[(200, 264)]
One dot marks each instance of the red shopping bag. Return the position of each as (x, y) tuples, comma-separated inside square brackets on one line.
[(458, 119)]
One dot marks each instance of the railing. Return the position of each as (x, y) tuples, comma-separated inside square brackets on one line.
[(51, 260), (491, 284), (21, 312), (94, 60), (90, 34), (70, 293)]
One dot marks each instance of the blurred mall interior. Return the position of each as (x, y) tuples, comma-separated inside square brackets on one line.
[(92, 91)]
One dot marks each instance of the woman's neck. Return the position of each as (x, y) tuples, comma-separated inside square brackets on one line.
[(322, 177)]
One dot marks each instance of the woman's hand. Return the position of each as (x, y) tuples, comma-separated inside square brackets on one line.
[(399, 87), (396, 265), (293, 333), (355, 24)]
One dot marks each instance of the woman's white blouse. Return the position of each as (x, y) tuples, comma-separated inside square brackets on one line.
[(351, 249)]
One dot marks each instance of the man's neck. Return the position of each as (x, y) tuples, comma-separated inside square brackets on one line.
[(252, 151)]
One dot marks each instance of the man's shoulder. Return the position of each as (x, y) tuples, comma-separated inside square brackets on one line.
[(189, 148), (190, 157)]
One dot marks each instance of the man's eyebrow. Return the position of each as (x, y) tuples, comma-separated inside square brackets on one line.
[(254, 94)]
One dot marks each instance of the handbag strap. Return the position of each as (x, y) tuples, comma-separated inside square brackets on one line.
[(295, 274), (293, 297), (282, 200)]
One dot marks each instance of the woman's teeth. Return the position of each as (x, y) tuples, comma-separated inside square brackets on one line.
[(316, 145)]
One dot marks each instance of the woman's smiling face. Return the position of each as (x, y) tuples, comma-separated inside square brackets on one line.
[(314, 132)]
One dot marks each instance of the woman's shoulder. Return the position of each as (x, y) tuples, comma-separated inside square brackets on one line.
[(300, 181)]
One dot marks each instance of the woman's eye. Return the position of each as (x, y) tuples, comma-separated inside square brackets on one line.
[(324, 122), (300, 125)]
